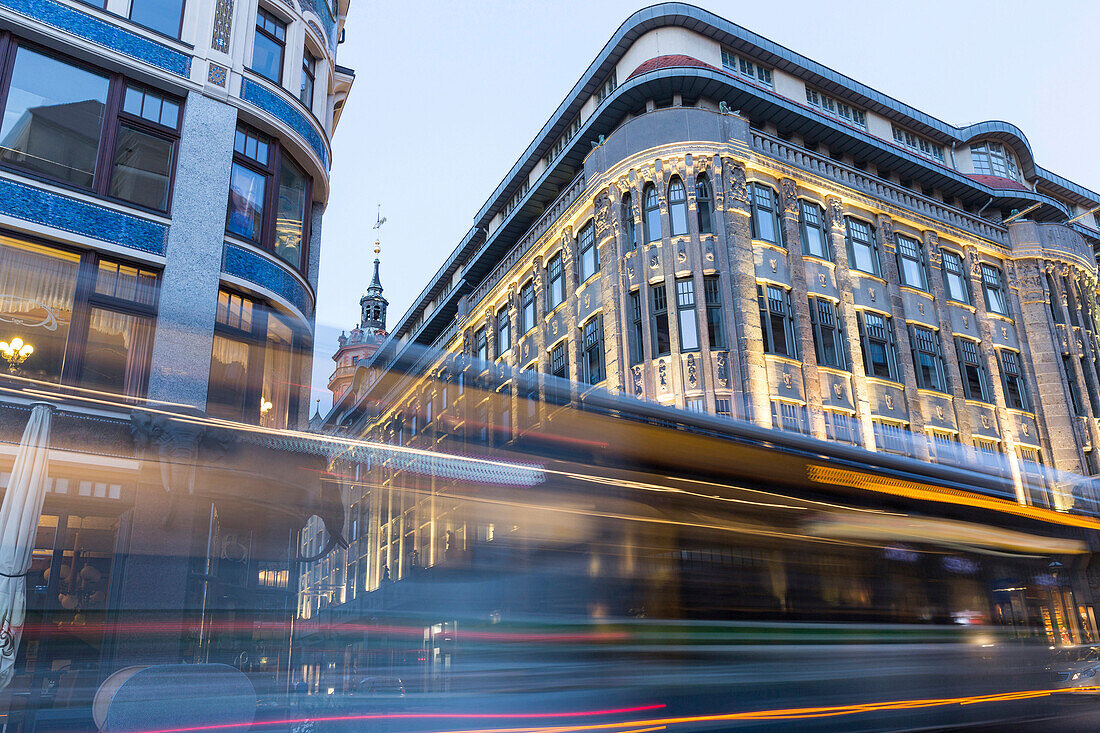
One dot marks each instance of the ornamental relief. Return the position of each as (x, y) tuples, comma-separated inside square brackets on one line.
[(886, 226), (836, 213), (737, 182), (790, 195), (603, 222)]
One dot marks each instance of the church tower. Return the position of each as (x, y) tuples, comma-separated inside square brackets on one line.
[(359, 346)]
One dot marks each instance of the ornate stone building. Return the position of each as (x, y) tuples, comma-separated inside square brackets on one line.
[(726, 226), (364, 339)]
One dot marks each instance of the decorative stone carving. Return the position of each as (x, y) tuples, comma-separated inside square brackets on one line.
[(889, 399), (692, 371), (654, 260), (723, 371), (939, 411), (736, 182), (838, 390), (636, 372), (787, 380), (822, 279), (790, 195), (662, 374), (180, 447), (886, 226), (774, 264), (603, 215), (920, 308), (681, 254), (872, 293), (836, 213)]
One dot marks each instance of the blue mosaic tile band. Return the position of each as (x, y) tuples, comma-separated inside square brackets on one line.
[(324, 12), (51, 209), (273, 104), (254, 268), (105, 34)]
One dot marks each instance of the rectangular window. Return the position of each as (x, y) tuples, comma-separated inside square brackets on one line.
[(765, 215), (662, 344), (828, 336), (993, 285), (954, 279), (309, 76), (994, 159), (841, 426), (1015, 391), (988, 453), (713, 296), (268, 46), (836, 108), (685, 309), (918, 144), (743, 67), (975, 382), (1090, 388), (877, 336), (504, 332), (722, 407), (57, 115), (776, 321), (862, 247), (945, 446), (1071, 383), (559, 360), (635, 327), (1034, 475), (589, 255), (481, 346), (789, 416), (606, 88), (891, 437), (527, 313), (928, 359), (555, 280), (592, 371), (270, 197), (815, 239), (911, 262), (695, 404), (163, 16), (254, 351)]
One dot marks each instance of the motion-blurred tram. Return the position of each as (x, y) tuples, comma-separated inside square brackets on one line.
[(516, 557)]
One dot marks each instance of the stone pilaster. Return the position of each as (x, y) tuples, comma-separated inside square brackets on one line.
[(792, 236), (834, 212)]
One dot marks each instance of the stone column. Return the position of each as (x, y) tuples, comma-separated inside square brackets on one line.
[(889, 263), (616, 358), (947, 339), (188, 303), (847, 313), (800, 302)]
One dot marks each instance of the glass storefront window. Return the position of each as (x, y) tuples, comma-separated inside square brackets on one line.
[(116, 352), (228, 389), (53, 118), (278, 378), (143, 168), (37, 291), (290, 218)]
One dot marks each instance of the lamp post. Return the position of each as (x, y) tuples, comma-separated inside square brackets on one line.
[(15, 353)]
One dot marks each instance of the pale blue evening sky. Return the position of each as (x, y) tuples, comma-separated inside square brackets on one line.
[(449, 93)]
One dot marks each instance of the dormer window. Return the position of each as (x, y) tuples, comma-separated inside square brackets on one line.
[(743, 67), (994, 159)]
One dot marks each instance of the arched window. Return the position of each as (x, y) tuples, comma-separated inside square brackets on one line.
[(703, 204), (677, 207), (1054, 301), (629, 228), (652, 214)]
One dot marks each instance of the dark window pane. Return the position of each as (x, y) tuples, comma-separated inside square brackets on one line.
[(228, 389), (246, 202), (160, 15), (291, 214), (143, 168), (53, 118), (267, 57)]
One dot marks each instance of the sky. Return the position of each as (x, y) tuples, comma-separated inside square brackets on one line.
[(448, 94)]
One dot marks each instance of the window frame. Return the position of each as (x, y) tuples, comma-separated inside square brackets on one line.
[(1012, 376), (309, 71), (659, 311), (555, 280), (527, 298), (502, 333), (272, 172), (704, 205), (677, 207), (637, 334), (888, 341), (992, 272), (559, 349), (587, 249), (630, 226), (179, 29), (686, 316), (651, 214), (804, 206), (958, 260), (592, 351), (851, 224), (712, 300), (258, 28), (915, 256), (113, 117), (481, 346), (773, 309), (971, 366), (833, 331), (765, 207), (256, 339), (925, 341)]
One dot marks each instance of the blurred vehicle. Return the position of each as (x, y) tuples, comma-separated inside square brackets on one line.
[(380, 686), (1077, 668)]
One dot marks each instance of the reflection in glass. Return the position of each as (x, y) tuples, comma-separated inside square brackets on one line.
[(53, 118), (275, 397), (292, 212), (246, 203), (143, 168), (160, 15), (126, 283), (228, 389), (117, 354), (37, 286)]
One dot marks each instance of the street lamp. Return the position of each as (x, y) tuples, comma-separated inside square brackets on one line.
[(15, 353)]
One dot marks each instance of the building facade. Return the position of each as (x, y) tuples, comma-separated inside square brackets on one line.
[(364, 339), (714, 222), (164, 168)]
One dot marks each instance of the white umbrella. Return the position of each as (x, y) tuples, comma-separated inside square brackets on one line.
[(19, 517)]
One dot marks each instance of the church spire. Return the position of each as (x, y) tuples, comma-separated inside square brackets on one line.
[(372, 303)]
